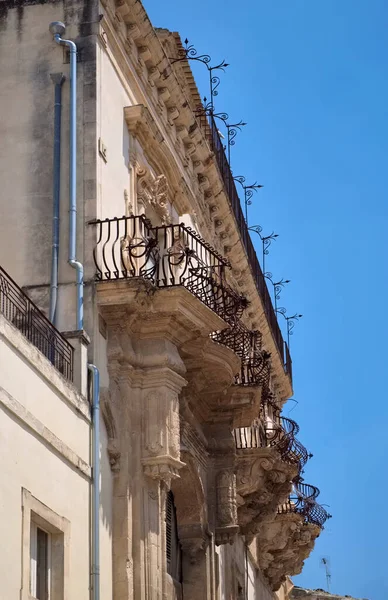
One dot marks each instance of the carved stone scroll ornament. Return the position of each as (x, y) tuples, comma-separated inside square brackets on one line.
[(283, 546), (153, 192), (262, 484)]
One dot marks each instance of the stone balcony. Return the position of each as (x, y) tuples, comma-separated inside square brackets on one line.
[(154, 277), (288, 539), (269, 458), (165, 256)]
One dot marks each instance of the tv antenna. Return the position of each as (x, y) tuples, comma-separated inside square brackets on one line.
[(325, 562)]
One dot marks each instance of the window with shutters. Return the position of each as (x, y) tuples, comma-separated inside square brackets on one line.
[(173, 547)]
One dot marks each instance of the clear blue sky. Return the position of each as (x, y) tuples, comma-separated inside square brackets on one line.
[(311, 79)]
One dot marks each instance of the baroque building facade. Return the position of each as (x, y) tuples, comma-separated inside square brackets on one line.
[(196, 490)]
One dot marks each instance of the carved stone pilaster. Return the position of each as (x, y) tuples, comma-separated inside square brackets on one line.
[(226, 516)]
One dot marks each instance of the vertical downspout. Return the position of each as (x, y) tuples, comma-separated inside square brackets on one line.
[(57, 29), (95, 571), (58, 79)]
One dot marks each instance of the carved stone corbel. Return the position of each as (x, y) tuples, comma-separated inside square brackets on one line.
[(194, 540), (113, 447), (163, 468)]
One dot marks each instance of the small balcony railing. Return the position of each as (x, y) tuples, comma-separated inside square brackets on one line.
[(167, 256), (250, 437), (305, 489), (255, 363), (209, 126), (19, 310), (278, 434), (305, 505)]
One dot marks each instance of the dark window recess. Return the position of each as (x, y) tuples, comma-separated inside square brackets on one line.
[(173, 547), (42, 565)]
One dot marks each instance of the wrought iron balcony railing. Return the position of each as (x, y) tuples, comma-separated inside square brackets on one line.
[(277, 434), (167, 256), (255, 363), (306, 490), (209, 126), (281, 435), (19, 310), (306, 506)]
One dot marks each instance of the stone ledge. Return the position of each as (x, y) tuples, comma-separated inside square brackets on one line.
[(16, 409)]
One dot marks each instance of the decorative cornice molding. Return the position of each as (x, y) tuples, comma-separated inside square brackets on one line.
[(141, 124)]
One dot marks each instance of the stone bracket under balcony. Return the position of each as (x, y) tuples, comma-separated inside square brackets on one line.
[(283, 546), (169, 313), (211, 370), (263, 481)]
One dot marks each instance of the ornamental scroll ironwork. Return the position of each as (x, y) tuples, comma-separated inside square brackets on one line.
[(255, 362), (167, 256), (278, 433), (302, 501)]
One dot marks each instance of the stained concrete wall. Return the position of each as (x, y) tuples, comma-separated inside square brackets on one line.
[(28, 57)]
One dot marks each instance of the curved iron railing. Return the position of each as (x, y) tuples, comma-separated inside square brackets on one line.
[(306, 506), (19, 310), (168, 256), (290, 426), (255, 363), (306, 490), (277, 434)]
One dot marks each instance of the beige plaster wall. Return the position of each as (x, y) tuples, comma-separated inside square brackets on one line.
[(47, 456)]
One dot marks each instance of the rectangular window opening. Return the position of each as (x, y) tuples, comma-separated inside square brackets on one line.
[(40, 564)]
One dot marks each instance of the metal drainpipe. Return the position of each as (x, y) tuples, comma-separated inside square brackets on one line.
[(58, 79), (95, 570), (57, 29)]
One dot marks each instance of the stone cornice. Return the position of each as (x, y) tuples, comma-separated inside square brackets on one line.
[(141, 124)]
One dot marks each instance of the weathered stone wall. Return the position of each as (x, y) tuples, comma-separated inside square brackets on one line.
[(28, 58)]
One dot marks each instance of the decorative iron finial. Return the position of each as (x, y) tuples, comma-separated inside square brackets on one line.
[(266, 240), (233, 129), (248, 192), (277, 286), (290, 322), (188, 52)]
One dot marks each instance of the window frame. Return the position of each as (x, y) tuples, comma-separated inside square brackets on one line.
[(37, 515)]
